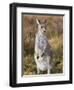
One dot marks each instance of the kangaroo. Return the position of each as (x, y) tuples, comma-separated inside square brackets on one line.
[(43, 52)]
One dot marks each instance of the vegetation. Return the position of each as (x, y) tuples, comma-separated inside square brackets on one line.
[(55, 37)]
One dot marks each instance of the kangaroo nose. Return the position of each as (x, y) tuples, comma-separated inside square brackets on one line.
[(44, 30)]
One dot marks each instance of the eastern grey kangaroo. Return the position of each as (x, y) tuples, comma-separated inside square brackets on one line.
[(42, 49)]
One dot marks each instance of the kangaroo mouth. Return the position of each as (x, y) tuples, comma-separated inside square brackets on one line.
[(44, 30)]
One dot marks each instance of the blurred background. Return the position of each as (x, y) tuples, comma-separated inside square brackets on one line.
[(55, 38)]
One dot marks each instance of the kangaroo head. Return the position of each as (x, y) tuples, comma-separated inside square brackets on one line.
[(41, 26)]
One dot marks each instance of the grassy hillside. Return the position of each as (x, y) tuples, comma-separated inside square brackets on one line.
[(55, 37)]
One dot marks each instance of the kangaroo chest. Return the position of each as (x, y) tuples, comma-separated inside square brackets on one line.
[(40, 43)]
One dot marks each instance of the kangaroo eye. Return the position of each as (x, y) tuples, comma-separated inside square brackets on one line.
[(41, 26)]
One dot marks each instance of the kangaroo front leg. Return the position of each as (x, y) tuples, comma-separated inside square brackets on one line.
[(48, 70), (48, 61), (38, 71)]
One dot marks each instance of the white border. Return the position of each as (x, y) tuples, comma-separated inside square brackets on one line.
[(51, 77)]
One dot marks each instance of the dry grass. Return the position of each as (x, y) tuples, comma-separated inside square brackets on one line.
[(55, 37)]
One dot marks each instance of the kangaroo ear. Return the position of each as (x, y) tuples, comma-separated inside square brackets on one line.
[(45, 21), (37, 21)]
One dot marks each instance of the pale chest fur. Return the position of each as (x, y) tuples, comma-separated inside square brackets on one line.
[(40, 43)]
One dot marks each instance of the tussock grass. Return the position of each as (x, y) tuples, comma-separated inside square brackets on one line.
[(55, 38)]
